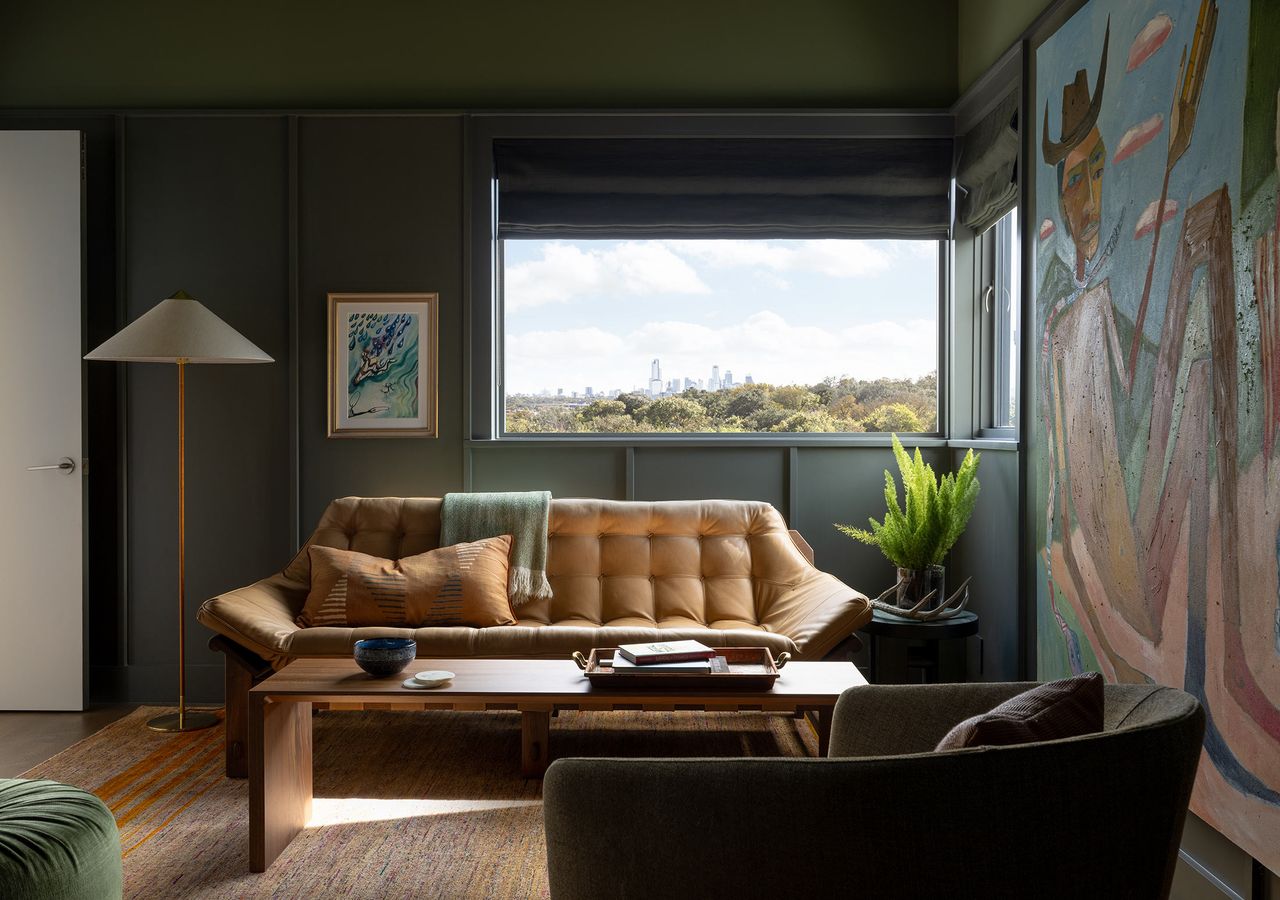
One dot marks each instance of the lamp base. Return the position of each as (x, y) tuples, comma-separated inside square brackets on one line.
[(183, 721)]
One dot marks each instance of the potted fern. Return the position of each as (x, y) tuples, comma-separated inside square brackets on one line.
[(917, 536)]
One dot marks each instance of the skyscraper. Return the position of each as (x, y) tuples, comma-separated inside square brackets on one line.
[(748, 379), (714, 383), (655, 379), (728, 379)]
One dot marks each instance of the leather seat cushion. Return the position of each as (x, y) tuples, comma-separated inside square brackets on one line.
[(532, 639)]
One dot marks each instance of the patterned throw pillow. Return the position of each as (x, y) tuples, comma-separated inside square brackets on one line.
[(1058, 709), (465, 584)]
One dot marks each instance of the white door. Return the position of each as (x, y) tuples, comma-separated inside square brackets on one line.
[(41, 537)]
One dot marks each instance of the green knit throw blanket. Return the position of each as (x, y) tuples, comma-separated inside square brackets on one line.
[(521, 514)]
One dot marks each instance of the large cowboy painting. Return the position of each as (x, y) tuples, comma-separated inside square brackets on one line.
[(1156, 444)]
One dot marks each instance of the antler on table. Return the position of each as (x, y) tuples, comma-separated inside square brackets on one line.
[(945, 610)]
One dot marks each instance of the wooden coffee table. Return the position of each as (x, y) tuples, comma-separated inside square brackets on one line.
[(280, 717)]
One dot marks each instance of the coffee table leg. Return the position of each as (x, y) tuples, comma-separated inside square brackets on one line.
[(535, 740), (279, 776), (824, 729)]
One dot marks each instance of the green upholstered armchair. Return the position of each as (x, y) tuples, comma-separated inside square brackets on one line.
[(885, 817)]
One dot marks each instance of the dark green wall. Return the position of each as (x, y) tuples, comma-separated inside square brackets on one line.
[(261, 216), (502, 53), (212, 220), (379, 209)]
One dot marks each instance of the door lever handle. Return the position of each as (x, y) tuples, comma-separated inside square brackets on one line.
[(66, 464)]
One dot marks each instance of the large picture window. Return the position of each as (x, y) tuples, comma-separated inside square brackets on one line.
[(716, 275), (661, 336)]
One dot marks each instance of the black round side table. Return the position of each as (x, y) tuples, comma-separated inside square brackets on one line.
[(936, 648)]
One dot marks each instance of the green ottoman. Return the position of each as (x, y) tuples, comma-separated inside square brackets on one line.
[(56, 841)]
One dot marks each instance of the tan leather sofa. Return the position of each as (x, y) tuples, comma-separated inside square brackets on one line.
[(728, 573)]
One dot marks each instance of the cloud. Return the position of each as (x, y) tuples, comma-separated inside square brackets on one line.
[(833, 258), (567, 272), (764, 345)]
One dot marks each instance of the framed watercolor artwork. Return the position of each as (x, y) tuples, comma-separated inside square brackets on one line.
[(382, 365)]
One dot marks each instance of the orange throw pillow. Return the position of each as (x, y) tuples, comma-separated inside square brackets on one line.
[(465, 584)]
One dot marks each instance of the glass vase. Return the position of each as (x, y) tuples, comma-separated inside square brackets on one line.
[(915, 584)]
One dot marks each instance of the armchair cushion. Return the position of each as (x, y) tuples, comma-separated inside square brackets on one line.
[(1069, 707), (463, 584)]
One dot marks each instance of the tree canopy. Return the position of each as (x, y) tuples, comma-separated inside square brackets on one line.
[(834, 405)]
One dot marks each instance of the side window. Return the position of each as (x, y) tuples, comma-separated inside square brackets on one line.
[(1001, 303)]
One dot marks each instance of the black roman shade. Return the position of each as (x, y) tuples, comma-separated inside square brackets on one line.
[(723, 187), (988, 170)]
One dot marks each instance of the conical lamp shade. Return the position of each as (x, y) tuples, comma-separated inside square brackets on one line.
[(179, 328)]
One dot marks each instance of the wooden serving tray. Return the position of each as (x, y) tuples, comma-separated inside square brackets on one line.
[(745, 669)]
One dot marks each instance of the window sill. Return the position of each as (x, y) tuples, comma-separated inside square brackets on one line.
[(708, 440), (1008, 445)]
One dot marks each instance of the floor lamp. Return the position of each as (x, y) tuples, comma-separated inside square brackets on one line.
[(180, 330)]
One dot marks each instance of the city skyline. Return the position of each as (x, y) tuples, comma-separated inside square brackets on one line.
[(656, 386), (596, 313)]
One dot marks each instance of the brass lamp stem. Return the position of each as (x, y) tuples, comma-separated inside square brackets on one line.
[(182, 539), (182, 720)]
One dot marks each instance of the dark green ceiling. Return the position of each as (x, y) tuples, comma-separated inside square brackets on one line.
[(500, 53)]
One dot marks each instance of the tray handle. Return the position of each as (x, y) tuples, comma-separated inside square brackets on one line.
[(783, 658), (580, 660)]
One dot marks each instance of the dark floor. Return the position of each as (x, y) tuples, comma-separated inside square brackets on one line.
[(28, 738)]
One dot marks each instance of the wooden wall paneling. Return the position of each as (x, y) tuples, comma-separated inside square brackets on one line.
[(699, 473), (988, 551), (379, 209), (565, 471), (205, 212)]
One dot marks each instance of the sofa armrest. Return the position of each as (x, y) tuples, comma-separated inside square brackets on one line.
[(817, 613), (898, 719), (259, 617)]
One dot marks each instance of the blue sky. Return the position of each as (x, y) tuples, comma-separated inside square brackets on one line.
[(586, 312)]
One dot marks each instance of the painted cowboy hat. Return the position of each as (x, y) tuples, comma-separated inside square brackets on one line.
[(1079, 110)]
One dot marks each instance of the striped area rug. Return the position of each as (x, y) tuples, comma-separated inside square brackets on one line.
[(408, 804)]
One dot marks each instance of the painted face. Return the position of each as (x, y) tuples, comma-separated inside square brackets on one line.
[(1081, 195)]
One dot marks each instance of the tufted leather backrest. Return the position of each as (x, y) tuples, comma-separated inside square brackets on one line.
[(699, 562)]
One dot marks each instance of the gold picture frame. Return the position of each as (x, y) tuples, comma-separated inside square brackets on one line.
[(383, 362)]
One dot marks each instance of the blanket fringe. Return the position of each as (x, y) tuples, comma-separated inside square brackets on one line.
[(524, 585)]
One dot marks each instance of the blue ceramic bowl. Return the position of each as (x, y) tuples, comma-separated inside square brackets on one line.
[(384, 657)]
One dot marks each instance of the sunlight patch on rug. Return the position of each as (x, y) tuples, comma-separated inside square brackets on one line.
[(348, 810)]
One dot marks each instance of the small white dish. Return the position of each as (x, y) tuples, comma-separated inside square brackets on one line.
[(432, 678)]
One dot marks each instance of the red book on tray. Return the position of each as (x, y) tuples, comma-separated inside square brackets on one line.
[(665, 652)]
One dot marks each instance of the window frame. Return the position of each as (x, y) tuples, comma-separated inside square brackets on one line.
[(998, 246), (484, 350)]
